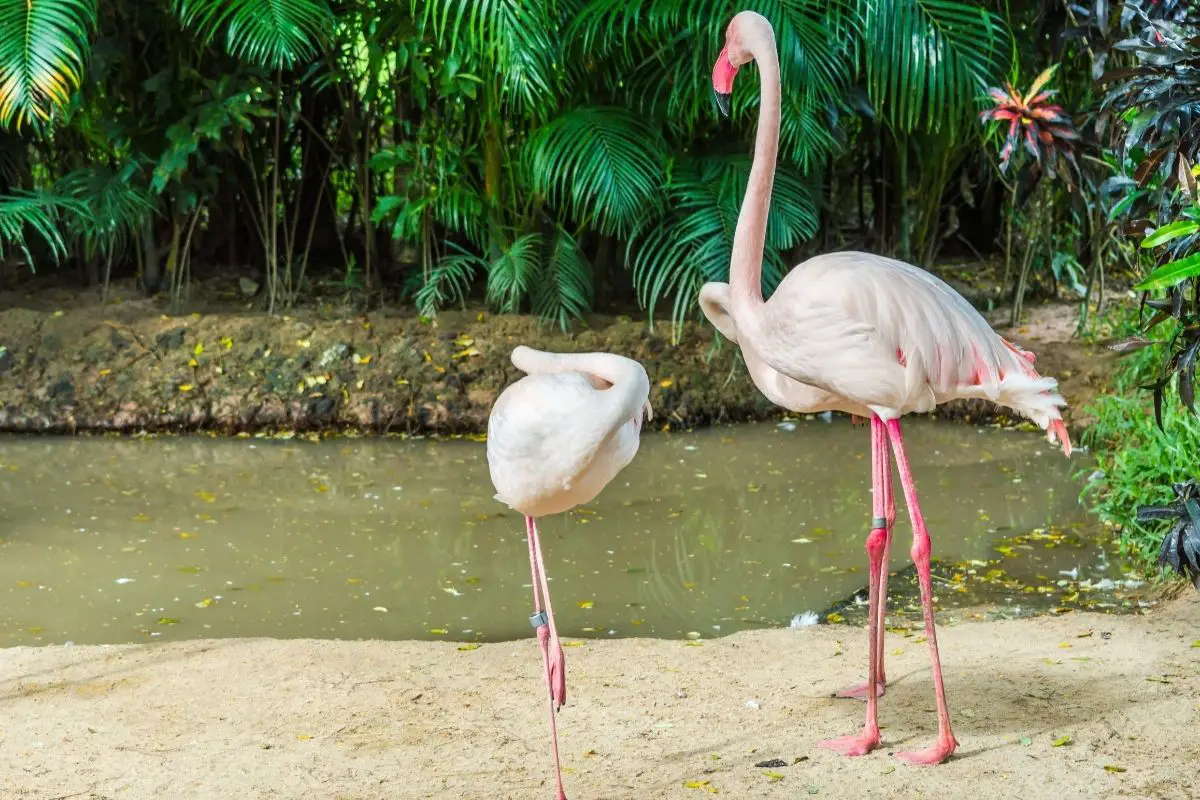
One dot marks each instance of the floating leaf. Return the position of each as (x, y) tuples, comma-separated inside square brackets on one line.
[(167, 621), (834, 618), (207, 497), (586, 603), (439, 631), (140, 517), (205, 603), (186, 535)]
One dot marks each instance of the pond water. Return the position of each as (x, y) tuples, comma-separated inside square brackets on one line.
[(109, 540)]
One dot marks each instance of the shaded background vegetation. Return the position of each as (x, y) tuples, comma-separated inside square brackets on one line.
[(553, 156)]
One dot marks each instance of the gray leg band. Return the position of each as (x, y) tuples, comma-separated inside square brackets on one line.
[(878, 522), (538, 618)]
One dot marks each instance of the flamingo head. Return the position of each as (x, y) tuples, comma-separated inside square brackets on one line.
[(733, 55)]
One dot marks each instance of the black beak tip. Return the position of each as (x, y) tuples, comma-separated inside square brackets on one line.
[(722, 102)]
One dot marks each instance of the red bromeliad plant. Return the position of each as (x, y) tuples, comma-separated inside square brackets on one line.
[(1044, 129)]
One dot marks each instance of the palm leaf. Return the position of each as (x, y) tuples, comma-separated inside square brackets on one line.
[(270, 33), (603, 164), (449, 281), (23, 212), (674, 255), (514, 37), (511, 276), (564, 290), (927, 60), (111, 207), (43, 53)]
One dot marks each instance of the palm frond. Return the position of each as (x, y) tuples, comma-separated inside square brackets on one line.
[(604, 164), (449, 281), (43, 55), (514, 37), (564, 289), (673, 256), (927, 61), (24, 212), (113, 207), (512, 275), (269, 33)]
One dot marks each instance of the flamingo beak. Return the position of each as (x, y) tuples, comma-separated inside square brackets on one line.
[(722, 102), (722, 80)]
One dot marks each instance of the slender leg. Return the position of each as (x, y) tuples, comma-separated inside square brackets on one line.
[(882, 476), (944, 747), (552, 654), (862, 743)]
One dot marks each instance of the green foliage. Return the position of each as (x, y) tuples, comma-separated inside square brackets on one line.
[(22, 211), (603, 165), (500, 141), (271, 33), (43, 54), (1138, 461)]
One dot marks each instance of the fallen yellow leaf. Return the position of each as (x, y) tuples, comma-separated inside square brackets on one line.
[(586, 603)]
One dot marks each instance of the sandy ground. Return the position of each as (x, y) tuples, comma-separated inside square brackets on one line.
[(648, 718)]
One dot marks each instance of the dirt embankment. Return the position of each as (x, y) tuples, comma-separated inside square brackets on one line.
[(128, 366)]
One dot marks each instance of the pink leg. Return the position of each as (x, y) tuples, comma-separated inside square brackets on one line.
[(862, 743), (944, 747), (882, 476), (553, 662)]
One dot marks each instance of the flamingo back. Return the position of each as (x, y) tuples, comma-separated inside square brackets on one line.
[(553, 442)]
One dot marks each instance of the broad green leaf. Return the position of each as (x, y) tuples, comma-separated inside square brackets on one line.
[(269, 33), (1170, 274), (1170, 231)]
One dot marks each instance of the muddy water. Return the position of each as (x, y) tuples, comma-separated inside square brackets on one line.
[(119, 540)]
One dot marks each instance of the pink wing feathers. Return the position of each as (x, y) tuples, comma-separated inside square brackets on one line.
[(893, 337)]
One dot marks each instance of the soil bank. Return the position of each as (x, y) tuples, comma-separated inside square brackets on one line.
[(1076, 706), (127, 366)]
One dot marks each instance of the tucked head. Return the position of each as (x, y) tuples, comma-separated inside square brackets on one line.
[(736, 52)]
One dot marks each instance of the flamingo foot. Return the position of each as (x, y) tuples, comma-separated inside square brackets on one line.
[(860, 691), (934, 754), (856, 744)]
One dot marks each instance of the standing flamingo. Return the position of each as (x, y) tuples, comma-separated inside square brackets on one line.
[(869, 335), (555, 439)]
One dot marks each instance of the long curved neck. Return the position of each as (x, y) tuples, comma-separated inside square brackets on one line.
[(745, 270)]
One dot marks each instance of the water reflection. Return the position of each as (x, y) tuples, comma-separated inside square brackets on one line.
[(115, 540)]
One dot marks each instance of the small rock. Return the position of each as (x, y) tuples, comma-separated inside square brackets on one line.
[(681, 695), (248, 287), (774, 763), (63, 391), (170, 340), (6, 359), (335, 353), (753, 704)]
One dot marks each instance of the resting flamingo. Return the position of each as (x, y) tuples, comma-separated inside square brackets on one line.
[(555, 439), (870, 336)]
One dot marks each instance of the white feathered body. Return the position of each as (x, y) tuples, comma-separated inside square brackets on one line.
[(559, 435), (862, 334)]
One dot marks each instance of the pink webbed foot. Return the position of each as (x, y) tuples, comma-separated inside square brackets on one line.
[(860, 691), (857, 744), (934, 754)]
